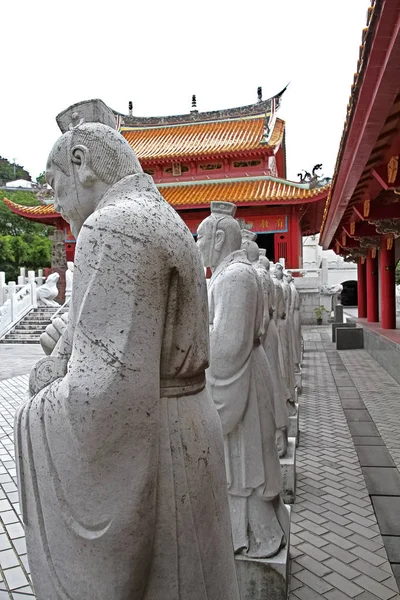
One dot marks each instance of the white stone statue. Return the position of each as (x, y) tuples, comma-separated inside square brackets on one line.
[(47, 292), (121, 461), (238, 384), (283, 327), (69, 278), (269, 340), (296, 320)]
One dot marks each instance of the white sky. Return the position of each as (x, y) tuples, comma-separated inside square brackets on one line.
[(158, 53)]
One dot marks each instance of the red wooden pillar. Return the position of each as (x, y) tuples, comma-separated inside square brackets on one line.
[(362, 288), (372, 286), (387, 280)]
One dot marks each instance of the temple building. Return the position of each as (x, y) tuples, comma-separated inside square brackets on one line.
[(362, 214), (235, 155)]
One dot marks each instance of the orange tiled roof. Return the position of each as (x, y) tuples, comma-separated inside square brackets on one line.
[(255, 190), (43, 210), (201, 139), (240, 191)]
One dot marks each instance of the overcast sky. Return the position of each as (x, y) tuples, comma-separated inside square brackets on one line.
[(158, 53)]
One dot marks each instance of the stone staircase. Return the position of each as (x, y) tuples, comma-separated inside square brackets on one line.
[(30, 328)]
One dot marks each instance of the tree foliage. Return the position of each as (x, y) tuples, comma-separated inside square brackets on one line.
[(23, 242), (7, 171), (41, 179)]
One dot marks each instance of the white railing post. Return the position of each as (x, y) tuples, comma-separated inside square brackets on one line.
[(11, 296), (32, 283), (40, 277), (21, 276), (2, 287)]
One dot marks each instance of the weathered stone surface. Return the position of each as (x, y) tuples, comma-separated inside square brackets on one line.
[(265, 579), (120, 457), (294, 429), (288, 469), (238, 382)]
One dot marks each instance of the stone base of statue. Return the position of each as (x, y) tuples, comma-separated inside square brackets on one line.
[(288, 470), (264, 579), (294, 429), (299, 382)]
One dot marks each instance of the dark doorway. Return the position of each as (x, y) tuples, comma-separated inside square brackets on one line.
[(349, 295), (266, 240)]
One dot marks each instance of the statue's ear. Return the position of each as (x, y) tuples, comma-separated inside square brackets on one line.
[(219, 239), (80, 155)]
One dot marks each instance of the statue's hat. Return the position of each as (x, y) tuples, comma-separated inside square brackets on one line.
[(88, 111), (248, 236), (223, 208)]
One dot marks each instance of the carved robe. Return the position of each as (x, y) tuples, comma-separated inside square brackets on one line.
[(241, 391), (121, 461), (296, 323), (288, 325), (270, 342), (281, 325)]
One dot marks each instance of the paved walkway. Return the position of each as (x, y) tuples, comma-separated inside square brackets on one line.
[(337, 549)]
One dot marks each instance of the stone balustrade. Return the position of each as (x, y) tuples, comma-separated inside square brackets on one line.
[(16, 300)]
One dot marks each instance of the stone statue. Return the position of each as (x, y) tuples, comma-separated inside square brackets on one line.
[(121, 461), (269, 341), (238, 384), (47, 292), (69, 278), (287, 364), (296, 320)]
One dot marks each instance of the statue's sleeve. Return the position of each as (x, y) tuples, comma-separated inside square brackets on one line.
[(112, 383), (235, 297)]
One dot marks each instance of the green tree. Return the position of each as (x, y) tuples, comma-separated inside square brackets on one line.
[(23, 242), (398, 273), (41, 179), (10, 172)]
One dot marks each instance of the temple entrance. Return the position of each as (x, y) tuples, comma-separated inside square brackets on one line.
[(349, 295), (266, 240)]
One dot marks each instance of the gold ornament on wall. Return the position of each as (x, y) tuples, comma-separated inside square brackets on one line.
[(392, 168), (352, 228), (373, 252), (362, 260), (367, 206), (344, 239), (389, 243)]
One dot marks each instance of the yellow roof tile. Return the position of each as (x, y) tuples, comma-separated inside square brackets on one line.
[(201, 139)]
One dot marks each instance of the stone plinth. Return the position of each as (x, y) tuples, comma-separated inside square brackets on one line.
[(264, 579), (349, 338), (288, 470), (293, 429), (341, 325), (339, 313)]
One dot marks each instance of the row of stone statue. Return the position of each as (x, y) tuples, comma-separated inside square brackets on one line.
[(130, 489)]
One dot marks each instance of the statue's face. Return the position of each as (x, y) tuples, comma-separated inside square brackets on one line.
[(278, 271), (71, 199), (205, 242), (251, 250)]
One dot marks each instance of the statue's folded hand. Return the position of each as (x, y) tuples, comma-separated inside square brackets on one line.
[(53, 333)]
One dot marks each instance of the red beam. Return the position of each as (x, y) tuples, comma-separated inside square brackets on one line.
[(377, 93)]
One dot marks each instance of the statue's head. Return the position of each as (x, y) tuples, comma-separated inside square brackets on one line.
[(88, 159), (265, 262), (249, 245), (278, 271), (52, 279), (289, 276), (219, 234)]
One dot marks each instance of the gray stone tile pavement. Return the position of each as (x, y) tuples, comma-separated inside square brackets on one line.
[(337, 550)]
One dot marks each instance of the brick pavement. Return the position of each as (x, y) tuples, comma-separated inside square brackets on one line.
[(337, 549)]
